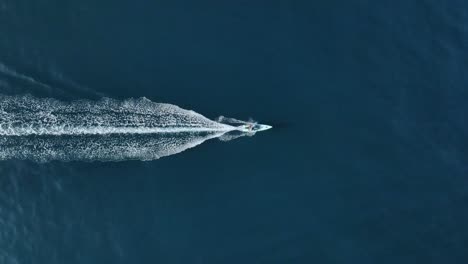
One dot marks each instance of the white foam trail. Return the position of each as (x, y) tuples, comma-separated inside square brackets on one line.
[(115, 147), (105, 130), (26, 115)]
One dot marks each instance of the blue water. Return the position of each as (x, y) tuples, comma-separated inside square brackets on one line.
[(366, 162)]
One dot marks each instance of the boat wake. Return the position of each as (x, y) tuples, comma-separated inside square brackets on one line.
[(106, 130)]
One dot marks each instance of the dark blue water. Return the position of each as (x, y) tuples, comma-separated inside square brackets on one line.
[(366, 163)]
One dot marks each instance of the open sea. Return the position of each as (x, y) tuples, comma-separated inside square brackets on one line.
[(366, 161)]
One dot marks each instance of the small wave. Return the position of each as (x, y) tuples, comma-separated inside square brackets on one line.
[(57, 83), (12, 73)]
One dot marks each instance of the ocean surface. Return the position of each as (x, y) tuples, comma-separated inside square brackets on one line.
[(366, 161)]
